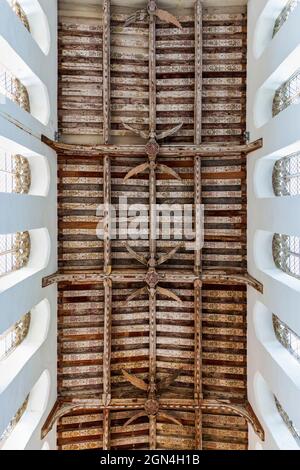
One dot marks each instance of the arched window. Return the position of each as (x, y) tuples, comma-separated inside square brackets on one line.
[(287, 94), (13, 337), (14, 251), (14, 421), (15, 175), (12, 88), (286, 176), (289, 423), (286, 254), (20, 13), (287, 337), (284, 14)]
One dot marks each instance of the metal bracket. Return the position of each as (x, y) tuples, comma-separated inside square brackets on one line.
[(247, 136)]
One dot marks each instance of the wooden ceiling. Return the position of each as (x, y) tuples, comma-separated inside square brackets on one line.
[(152, 335)]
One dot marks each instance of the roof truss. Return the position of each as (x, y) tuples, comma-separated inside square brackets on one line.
[(155, 280)]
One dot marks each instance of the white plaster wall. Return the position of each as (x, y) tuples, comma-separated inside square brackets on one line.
[(35, 211), (278, 59), (43, 66)]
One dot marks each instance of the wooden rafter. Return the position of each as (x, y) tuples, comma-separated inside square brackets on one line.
[(107, 340), (106, 71), (152, 69), (153, 277), (198, 71), (212, 277), (62, 408), (223, 277), (198, 394), (138, 151), (198, 213), (107, 215), (244, 411)]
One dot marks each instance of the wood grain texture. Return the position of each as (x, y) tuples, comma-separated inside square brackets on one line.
[(151, 76)]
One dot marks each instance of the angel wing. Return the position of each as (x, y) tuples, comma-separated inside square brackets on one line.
[(168, 17)]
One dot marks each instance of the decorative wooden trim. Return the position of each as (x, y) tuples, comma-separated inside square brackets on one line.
[(59, 410), (217, 277), (152, 73), (198, 339), (198, 71), (198, 219), (135, 151), (152, 432), (49, 423), (107, 215), (106, 71), (245, 411), (198, 360), (198, 429), (63, 407), (106, 429), (95, 278), (77, 277), (107, 341)]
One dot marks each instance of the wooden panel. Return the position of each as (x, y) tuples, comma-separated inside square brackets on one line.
[(80, 339), (175, 71), (80, 76), (129, 75), (151, 343), (225, 205), (224, 76), (224, 311), (80, 194)]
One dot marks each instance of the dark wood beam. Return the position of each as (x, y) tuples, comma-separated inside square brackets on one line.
[(198, 71), (107, 341), (198, 360), (64, 407), (245, 411), (107, 214), (106, 72), (138, 151), (106, 429), (199, 228), (222, 277)]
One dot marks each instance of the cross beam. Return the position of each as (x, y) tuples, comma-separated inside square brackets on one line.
[(138, 151), (64, 407), (208, 277)]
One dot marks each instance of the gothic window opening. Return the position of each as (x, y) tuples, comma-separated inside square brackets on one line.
[(15, 175), (14, 421), (284, 15), (286, 254), (16, 7), (13, 337), (289, 423), (14, 252), (286, 176), (13, 89), (287, 337), (287, 94)]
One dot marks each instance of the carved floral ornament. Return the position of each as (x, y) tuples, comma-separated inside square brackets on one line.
[(13, 88), (22, 174), (286, 254), (10, 340)]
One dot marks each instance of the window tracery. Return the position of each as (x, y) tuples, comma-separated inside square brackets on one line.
[(14, 251), (286, 254)]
